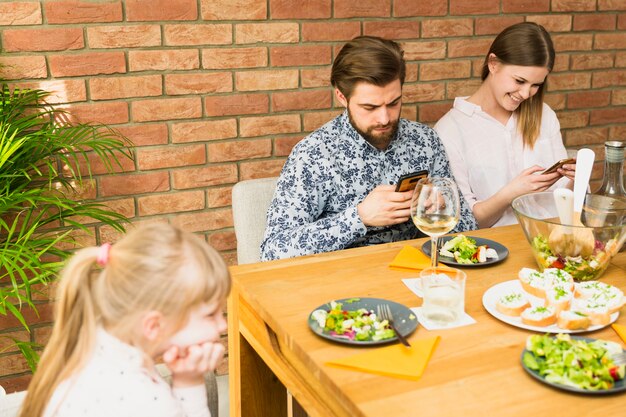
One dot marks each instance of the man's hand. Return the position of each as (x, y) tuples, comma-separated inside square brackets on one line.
[(188, 366), (384, 207)]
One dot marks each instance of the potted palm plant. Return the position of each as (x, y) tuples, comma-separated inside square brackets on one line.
[(44, 158)]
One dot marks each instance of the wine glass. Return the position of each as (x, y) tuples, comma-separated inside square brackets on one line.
[(435, 209)]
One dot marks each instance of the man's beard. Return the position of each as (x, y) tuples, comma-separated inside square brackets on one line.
[(380, 141)]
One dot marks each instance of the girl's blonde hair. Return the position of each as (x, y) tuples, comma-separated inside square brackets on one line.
[(154, 267), (525, 44)]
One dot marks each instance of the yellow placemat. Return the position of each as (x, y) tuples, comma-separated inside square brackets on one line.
[(395, 360), (410, 258), (620, 330)]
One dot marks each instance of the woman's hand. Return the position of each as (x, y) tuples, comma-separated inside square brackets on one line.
[(529, 181), (568, 171), (189, 365)]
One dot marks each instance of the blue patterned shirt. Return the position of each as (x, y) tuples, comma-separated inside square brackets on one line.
[(330, 172)]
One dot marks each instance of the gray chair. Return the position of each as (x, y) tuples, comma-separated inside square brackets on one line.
[(251, 199)]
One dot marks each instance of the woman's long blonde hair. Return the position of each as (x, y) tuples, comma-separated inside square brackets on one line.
[(525, 44), (154, 267)]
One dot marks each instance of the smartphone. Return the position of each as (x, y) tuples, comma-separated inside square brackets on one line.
[(558, 165), (407, 182)]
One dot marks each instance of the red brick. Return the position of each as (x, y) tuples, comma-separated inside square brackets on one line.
[(571, 119), (145, 134), (43, 314), (621, 21), (586, 136), (573, 6), (411, 8), (569, 81), (432, 112), (525, 6), (171, 203), (234, 58), (77, 11), (462, 88), (300, 9), (620, 59), (219, 196), (182, 59), (261, 169), (617, 132), (611, 5), (553, 22), (403, 29), (468, 47), (124, 36), (582, 42), (561, 63), (239, 150), (61, 91), (195, 83), (461, 7), (132, 184), (208, 220), (301, 100), (234, 10), (13, 364), (107, 88), (584, 99), (22, 67), (159, 10), (555, 100), (444, 70), (312, 121), (330, 31), (284, 145), (287, 56), (98, 167), (594, 22), (105, 113), (315, 77), (593, 60), (203, 177), (170, 156), (198, 34), (603, 79), (166, 109), (618, 98), (284, 32), (20, 40), (236, 104), (362, 8), (610, 40), (423, 92), (90, 63), (16, 13), (266, 80), (223, 240), (411, 73), (6, 340), (204, 131), (440, 28), (607, 116), (416, 51), (269, 125)]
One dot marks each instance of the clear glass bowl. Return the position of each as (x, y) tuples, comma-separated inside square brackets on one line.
[(584, 251)]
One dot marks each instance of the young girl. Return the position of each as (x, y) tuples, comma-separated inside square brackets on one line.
[(158, 292), (501, 138)]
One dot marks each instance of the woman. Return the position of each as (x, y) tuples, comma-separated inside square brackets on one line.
[(501, 138)]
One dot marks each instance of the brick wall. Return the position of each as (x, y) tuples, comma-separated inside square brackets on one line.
[(217, 91)]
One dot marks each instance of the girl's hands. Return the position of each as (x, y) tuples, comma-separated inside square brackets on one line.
[(189, 365), (528, 181)]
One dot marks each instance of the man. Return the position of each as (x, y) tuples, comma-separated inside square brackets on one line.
[(336, 189)]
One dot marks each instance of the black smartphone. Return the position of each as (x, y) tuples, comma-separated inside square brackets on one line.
[(407, 182), (558, 165)]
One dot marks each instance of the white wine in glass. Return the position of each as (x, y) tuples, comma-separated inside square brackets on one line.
[(435, 209)]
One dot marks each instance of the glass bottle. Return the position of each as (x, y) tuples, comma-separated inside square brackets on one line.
[(613, 181)]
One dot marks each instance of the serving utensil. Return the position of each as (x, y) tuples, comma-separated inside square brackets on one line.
[(561, 239), (583, 237)]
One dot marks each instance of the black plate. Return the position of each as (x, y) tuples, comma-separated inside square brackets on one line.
[(620, 386), (502, 251), (403, 319)]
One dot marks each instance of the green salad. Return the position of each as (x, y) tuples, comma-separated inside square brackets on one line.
[(573, 362), (360, 325), (465, 250)]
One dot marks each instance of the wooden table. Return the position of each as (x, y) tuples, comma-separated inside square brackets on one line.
[(475, 370)]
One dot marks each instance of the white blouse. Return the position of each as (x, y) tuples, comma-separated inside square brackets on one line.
[(115, 383), (486, 155)]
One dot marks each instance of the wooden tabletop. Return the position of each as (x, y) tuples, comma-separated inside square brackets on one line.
[(475, 370)]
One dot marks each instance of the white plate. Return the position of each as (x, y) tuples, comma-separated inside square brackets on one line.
[(493, 294)]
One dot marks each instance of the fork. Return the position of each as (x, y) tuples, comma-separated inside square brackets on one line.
[(618, 358), (384, 312)]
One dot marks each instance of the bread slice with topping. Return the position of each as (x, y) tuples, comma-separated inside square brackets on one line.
[(512, 304), (573, 320), (539, 316)]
